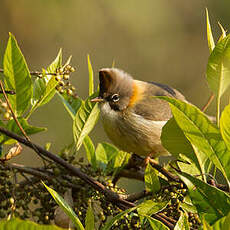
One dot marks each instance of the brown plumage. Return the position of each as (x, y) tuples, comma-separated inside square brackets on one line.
[(131, 116)]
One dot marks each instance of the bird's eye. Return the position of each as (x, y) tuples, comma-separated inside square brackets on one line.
[(115, 97)]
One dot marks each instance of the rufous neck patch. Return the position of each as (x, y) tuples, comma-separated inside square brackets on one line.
[(138, 93)]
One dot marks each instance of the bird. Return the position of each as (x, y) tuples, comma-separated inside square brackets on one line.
[(132, 118)]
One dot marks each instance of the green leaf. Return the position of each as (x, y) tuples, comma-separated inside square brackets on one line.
[(119, 161), (155, 224), (109, 223), (187, 205), (57, 63), (90, 151), (13, 127), (91, 84), (225, 125), (222, 224), (72, 105), (150, 207), (218, 70), (210, 202), (211, 43), (152, 182), (44, 88), (201, 133), (17, 224), (85, 120), (17, 76), (223, 35), (182, 223), (89, 219), (104, 154), (174, 140), (65, 207)]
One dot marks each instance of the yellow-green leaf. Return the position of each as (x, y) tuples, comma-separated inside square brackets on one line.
[(211, 43), (85, 119), (209, 201), (91, 83), (66, 208), (225, 125), (218, 68), (182, 223), (17, 77), (152, 182), (223, 35), (201, 133)]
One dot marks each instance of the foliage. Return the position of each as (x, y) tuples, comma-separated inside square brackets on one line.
[(201, 147)]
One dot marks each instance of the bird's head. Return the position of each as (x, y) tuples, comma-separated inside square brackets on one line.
[(116, 88)]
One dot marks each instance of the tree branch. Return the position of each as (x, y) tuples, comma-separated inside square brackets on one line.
[(110, 195), (45, 175)]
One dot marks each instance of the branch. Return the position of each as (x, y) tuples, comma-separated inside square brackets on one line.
[(166, 173), (137, 175), (137, 196), (222, 187), (34, 73), (109, 195), (38, 174)]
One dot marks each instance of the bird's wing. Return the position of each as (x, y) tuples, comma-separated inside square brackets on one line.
[(153, 108)]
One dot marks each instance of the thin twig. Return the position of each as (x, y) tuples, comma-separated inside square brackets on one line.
[(137, 196), (162, 170), (16, 120), (167, 218), (164, 221), (35, 172), (28, 170), (132, 174), (208, 102), (34, 73), (12, 112)]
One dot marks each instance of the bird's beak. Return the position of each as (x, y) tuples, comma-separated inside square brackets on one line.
[(97, 99)]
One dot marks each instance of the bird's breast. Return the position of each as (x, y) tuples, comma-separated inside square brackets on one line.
[(131, 132)]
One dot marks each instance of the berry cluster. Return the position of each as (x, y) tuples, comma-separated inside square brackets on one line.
[(176, 195), (28, 198), (62, 77)]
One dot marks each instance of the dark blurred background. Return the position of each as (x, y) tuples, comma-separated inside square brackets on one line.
[(163, 41)]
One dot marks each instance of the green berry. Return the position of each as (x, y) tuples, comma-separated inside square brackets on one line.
[(11, 200), (66, 77), (7, 116)]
